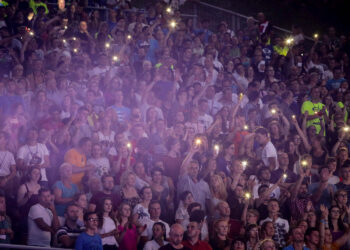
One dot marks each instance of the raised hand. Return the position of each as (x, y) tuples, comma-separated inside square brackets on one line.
[(324, 211)]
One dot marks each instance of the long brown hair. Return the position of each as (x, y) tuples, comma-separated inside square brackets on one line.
[(100, 211), (119, 218)]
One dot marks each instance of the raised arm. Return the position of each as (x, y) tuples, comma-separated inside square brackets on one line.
[(187, 160), (301, 134), (296, 188)]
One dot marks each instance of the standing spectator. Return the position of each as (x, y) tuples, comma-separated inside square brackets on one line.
[(64, 190), (107, 192), (67, 235), (268, 153), (154, 211), (107, 228), (322, 192), (297, 240), (158, 237), (89, 239), (189, 180), (193, 237), (220, 241), (140, 211), (281, 225), (42, 220), (175, 241), (6, 233), (33, 154), (345, 182), (7, 167), (77, 158), (129, 234)]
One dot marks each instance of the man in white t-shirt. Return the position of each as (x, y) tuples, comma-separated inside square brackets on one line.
[(33, 154), (42, 220), (281, 225), (154, 211), (203, 117), (268, 153)]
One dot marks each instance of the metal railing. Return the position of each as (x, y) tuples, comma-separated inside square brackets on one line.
[(235, 20), (12, 246)]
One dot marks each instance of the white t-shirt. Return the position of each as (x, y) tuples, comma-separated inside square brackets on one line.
[(269, 151), (36, 236), (6, 161), (141, 211), (101, 165), (139, 183), (148, 232), (108, 226), (206, 120), (26, 153), (109, 138), (153, 245), (281, 229)]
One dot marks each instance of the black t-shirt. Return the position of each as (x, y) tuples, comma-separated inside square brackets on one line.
[(98, 198), (170, 247)]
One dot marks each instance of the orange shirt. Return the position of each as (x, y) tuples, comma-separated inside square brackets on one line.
[(74, 157), (334, 246)]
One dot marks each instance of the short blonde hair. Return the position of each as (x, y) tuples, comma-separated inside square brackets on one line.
[(124, 177)]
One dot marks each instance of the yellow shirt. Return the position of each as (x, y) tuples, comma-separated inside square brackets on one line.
[(281, 51), (312, 109), (74, 157), (34, 6)]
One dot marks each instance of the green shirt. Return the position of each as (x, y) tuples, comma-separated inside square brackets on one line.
[(312, 108), (34, 5)]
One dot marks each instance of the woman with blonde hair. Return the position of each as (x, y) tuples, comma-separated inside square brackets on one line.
[(217, 190), (128, 192)]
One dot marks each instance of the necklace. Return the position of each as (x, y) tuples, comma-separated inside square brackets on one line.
[(30, 151)]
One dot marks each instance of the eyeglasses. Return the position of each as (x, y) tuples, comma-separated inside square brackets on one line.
[(93, 219), (342, 195)]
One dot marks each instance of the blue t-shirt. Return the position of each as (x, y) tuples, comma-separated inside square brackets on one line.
[(66, 193), (151, 53), (123, 113), (334, 84), (290, 247), (88, 242)]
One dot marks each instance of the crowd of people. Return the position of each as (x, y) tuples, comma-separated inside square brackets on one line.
[(146, 131)]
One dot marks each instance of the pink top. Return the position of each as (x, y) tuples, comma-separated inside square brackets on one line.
[(130, 238)]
